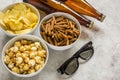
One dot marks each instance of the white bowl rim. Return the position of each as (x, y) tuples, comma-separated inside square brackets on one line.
[(37, 24), (61, 13), (27, 75)]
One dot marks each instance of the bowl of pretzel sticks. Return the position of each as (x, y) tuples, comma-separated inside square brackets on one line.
[(60, 30)]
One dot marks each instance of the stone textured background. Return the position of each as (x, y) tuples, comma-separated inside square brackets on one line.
[(104, 65)]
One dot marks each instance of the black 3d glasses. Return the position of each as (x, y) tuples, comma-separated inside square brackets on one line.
[(82, 55)]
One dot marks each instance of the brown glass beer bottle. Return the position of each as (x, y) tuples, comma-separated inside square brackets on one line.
[(83, 7)]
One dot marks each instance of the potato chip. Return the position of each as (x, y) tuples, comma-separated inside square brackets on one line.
[(15, 14), (2, 24), (1, 20), (20, 7), (32, 17), (14, 26), (32, 25), (23, 31), (10, 31), (25, 27), (1, 15), (26, 21)]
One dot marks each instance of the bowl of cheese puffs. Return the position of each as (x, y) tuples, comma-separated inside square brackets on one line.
[(60, 30), (25, 55), (19, 18)]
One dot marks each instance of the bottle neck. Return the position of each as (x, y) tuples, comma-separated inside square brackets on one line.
[(96, 13)]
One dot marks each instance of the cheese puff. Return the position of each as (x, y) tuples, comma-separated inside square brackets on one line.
[(7, 59), (16, 70), (37, 67), (37, 59), (11, 65), (22, 49), (41, 53), (19, 60), (31, 71), (10, 54), (26, 67), (31, 62), (17, 43), (14, 49), (23, 42)]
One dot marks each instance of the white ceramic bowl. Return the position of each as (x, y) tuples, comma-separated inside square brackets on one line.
[(34, 9), (28, 37), (66, 15)]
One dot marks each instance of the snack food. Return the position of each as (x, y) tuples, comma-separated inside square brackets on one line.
[(59, 31), (25, 57), (19, 19)]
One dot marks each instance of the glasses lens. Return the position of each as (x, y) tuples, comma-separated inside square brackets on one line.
[(86, 55), (72, 66)]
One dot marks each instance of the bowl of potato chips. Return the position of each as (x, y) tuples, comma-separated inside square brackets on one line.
[(19, 18), (25, 55)]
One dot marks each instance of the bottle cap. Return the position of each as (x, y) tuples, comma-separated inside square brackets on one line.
[(91, 24), (102, 18)]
